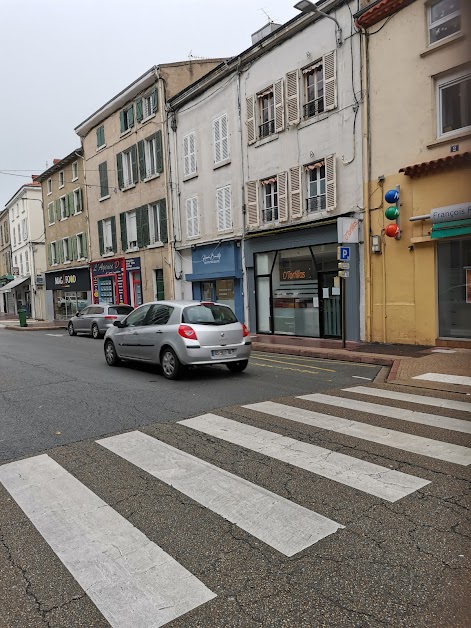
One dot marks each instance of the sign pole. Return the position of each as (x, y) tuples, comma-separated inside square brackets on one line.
[(342, 301)]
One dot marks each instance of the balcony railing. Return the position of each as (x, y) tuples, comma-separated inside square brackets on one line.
[(267, 128), (270, 214), (315, 204), (313, 107)]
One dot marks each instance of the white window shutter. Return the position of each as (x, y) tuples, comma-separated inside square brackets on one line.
[(296, 198), (196, 221), (252, 203), (228, 207), (220, 208), (251, 135), (282, 178), (330, 183), (292, 96), (186, 156), (224, 127), (189, 217), (330, 81), (278, 94), (217, 140), (192, 143)]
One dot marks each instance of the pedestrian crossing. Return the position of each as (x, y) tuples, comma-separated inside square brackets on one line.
[(134, 582)]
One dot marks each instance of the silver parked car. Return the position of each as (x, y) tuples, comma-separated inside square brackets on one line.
[(175, 334), (94, 320)]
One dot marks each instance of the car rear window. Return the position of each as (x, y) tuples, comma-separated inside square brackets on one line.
[(208, 314), (121, 310)]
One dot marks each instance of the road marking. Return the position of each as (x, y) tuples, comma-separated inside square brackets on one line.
[(277, 521), (391, 438), (445, 378), (132, 581), (55, 335), (365, 476), (320, 360), (434, 420), (438, 402), (296, 364), (283, 368), (360, 377)]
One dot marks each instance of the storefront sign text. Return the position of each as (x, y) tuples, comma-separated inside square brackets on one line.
[(213, 258), (461, 211)]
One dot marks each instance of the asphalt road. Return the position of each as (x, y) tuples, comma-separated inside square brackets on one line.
[(342, 515), (56, 389)]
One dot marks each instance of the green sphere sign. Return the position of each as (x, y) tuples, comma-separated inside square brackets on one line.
[(391, 213)]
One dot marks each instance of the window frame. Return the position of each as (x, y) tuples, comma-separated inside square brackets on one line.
[(131, 216), (77, 194), (127, 168), (107, 222), (155, 225), (187, 158), (61, 178), (49, 187), (273, 196), (74, 170), (194, 209), (66, 250), (100, 132), (63, 207), (127, 120), (151, 106), (222, 142), (150, 153), (80, 245), (319, 180), (50, 212), (440, 21), (316, 67), (270, 129), (226, 192), (440, 84)]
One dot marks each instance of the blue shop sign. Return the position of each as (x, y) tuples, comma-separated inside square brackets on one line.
[(133, 263), (215, 261)]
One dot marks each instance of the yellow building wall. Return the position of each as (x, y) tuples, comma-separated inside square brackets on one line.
[(404, 274)]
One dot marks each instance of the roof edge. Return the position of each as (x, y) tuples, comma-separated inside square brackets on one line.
[(78, 152)]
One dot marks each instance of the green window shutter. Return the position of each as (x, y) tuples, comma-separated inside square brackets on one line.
[(154, 100), (73, 247), (84, 244), (100, 136), (49, 254), (159, 151), (159, 280), (103, 173), (50, 209), (163, 220), (80, 206), (122, 121), (145, 226), (142, 159), (113, 233), (140, 239), (124, 233), (70, 204), (60, 251), (135, 170), (58, 209), (119, 166), (139, 114), (130, 116), (100, 237)]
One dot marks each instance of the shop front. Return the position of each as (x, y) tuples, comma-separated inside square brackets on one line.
[(7, 302), (18, 295), (68, 292), (217, 275), (117, 281), (294, 287)]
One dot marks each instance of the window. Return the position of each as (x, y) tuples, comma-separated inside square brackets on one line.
[(19, 233), (75, 171), (120, 310), (224, 208), (314, 90), (61, 179), (454, 104), (158, 222), (159, 315), (150, 146), (444, 19), (159, 285), (127, 168), (103, 173), (21, 263), (270, 200), (14, 238), (49, 186), (189, 154), (146, 107), (208, 314), (107, 235), (220, 139), (192, 219), (24, 229), (131, 228), (17, 210), (266, 103), (77, 196), (126, 118), (50, 211), (316, 197), (63, 207), (27, 261), (53, 253), (66, 249), (81, 246), (137, 318), (1, 235), (100, 137)]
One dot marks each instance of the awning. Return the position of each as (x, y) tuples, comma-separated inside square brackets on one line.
[(5, 279), (13, 284), (437, 165), (451, 229)]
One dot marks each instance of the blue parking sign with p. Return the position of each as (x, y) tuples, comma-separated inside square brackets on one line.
[(344, 253)]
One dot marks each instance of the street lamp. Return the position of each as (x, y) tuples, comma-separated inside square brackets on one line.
[(306, 6)]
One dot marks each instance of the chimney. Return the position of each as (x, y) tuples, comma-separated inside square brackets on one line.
[(269, 28), (34, 176), (55, 161)]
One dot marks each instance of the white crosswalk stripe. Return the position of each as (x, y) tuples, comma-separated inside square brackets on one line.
[(365, 476), (437, 402), (391, 438), (132, 581), (280, 523), (434, 420)]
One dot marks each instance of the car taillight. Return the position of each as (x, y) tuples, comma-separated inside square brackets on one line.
[(110, 317), (185, 331), (245, 330)]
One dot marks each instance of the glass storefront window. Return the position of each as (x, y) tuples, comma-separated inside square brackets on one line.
[(454, 288), (225, 292), (67, 304)]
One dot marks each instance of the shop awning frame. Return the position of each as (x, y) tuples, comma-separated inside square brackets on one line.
[(222, 274), (14, 284), (451, 229)]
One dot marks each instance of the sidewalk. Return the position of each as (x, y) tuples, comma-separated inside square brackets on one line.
[(10, 321), (405, 362)]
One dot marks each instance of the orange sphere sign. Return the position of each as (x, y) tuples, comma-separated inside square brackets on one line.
[(392, 231)]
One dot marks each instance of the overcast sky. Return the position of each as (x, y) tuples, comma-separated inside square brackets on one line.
[(60, 60)]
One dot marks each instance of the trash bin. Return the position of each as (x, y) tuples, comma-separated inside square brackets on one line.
[(22, 317)]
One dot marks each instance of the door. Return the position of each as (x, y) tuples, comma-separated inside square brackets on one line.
[(330, 306), (106, 291), (207, 292), (126, 338), (81, 320), (136, 290), (151, 336)]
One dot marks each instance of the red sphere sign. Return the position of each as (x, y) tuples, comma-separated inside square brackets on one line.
[(392, 231)]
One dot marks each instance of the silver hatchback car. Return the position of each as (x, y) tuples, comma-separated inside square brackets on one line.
[(176, 334), (94, 320)]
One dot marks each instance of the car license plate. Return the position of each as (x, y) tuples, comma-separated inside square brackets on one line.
[(221, 353)]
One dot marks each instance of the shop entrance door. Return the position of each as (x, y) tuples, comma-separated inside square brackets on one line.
[(106, 290), (330, 306)]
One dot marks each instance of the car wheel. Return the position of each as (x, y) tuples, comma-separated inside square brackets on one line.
[(171, 365), (95, 331), (237, 367), (71, 330), (111, 356)]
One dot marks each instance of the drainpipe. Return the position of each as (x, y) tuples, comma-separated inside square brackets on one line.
[(244, 270)]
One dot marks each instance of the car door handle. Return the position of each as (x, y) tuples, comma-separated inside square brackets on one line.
[(159, 331), (134, 333)]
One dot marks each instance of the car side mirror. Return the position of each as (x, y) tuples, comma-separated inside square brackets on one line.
[(118, 324), (78, 314)]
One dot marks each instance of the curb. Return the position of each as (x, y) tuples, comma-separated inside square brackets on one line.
[(327, 354), (393, 372), (32, 328)]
